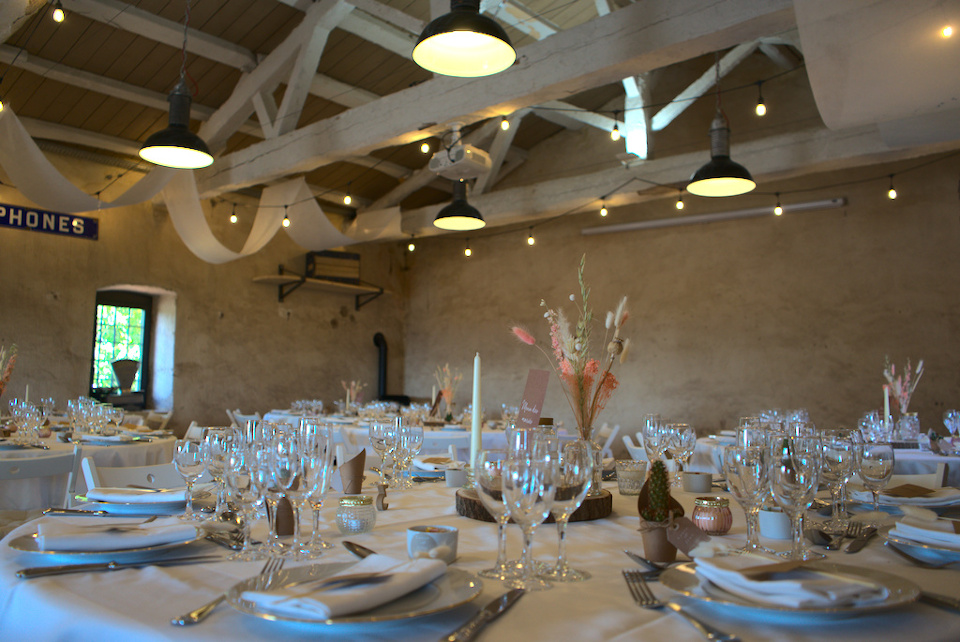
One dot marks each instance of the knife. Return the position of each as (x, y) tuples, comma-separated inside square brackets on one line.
[(41, 571), (861, 541), (942, 601), (486, 615)]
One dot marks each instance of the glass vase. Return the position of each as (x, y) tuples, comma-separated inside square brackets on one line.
[(596, 449), (908, 427)]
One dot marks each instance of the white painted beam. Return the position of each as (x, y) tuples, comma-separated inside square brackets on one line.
[(636, 120), (74, 136), (560, 118), (701, 85), (380, 33), (519, 17), (13, 13), (638, 38), (781, 55), (498, 151), (573, 112)]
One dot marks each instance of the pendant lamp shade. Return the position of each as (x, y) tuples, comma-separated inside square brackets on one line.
[(464, 43), (176, 146), (459, 215), (721, 176)]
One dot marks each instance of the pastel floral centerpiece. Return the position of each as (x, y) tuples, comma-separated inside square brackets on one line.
[(587, 380), (901, 387), (448, 380), (353, 391), (8, 359)]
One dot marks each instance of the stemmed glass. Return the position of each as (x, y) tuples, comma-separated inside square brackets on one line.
[(239, 475), (261, 469), (653, 442), (286, 460), (317, 469), (876, 468), (214, 457), (188, 460), (383, 440), (794, 477), (488, 473), (409, 440), (574, 474), (839, 464), (745, 469), (528, 489), (682, 441)]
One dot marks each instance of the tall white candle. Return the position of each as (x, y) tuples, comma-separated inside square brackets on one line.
[(433, 395), (886, 408), (26, 395), (476, 432)]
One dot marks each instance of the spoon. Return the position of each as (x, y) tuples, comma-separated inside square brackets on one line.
[(357, 549)]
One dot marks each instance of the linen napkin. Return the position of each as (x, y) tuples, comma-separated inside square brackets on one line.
[(119, 439), (799, 588), (109, 534), (936, 532), (136, 495), (308, 602), (945, 496), (432, 462)]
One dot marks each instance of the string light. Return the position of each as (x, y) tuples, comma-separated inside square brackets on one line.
[(425, 148), (411, 246), (778, 210), (603, 209), (1, 105), (615, 132), (504, 123), (467, 251), (347, 199), (286, 220), (58, 14), (891, 193), (946, 32), (530, 239), (679, 203), (233, 214), (761, 108)]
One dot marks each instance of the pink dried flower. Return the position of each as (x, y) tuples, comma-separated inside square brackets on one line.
[(524, 336)]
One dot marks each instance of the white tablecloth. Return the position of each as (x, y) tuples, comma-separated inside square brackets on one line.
[(42, 492), (139, 603)]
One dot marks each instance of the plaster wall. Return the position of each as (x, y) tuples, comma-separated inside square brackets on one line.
[(726, 318), (235, 345)]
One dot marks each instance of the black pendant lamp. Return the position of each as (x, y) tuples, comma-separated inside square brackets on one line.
[(721, 176), (459, 215), (176, 146), (464, 43)]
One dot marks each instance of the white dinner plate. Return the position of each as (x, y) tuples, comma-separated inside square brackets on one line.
[(931, 553), (124, 508), (424, 463), (683, 579), (28, 544), (454, 588)]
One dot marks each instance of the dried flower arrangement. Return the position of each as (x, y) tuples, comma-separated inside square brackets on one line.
[(8, 359), (901, 387)]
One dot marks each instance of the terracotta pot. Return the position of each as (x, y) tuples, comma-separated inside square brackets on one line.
[(656, 547)]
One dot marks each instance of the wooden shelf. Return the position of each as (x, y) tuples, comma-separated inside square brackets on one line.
[(288, 282)]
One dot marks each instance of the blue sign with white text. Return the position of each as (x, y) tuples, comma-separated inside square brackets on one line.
[(26, 218)]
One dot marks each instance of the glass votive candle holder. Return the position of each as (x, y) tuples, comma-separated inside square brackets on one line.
[(712, 515), (356, 515), (631, 474)]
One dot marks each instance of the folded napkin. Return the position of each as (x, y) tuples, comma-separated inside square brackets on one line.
[(109, 534), (142, 431), (432, 462), (945, 496), (308, 602), (799, 588), (105, 438), (136, 495), (936, 532)]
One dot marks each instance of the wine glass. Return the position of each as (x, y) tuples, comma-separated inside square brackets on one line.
[(839, 465), (951, 420), (528, 489), (318, 466), (794, 477), (261, 470), (745, 469), (409, 439), (286, 459), (188, 460), (488, 473), (574, 474), (382, 440), (214, 458), (652, 433), (876, 468), (239, 477), (683, 442)]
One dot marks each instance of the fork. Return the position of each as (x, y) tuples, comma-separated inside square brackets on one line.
[(854, 529), (644, 597), (269, 569)]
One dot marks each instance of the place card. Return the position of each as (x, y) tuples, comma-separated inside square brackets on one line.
[(533, 395), (908, 490), (685, 535), (763, 570)]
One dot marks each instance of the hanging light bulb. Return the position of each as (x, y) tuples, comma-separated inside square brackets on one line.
[(233, 214), (1, 105), (411, 246), (891, 193), (615, 132), (425, 147), (464, 43), (946, 32), (603, 209), (778, 210), (176, 146), (459, 215), (347, 199), (721, 176), (58, 14), (286, 219), (504, 123), (680, 201), (467, 251), (761, 108), (530, 239)]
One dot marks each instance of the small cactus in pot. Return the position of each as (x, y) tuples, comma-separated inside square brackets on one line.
[(656, 508)]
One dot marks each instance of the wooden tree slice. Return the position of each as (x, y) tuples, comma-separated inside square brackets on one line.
[(469, 505)]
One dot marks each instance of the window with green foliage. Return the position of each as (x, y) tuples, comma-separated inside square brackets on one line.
[(123, 332)]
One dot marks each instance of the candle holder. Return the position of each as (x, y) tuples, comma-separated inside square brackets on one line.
[(470, 483)]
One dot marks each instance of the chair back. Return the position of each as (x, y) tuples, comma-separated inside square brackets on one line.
[(608, 435), (636, 452), (439, 444), (194, 432), (240, 419), (156, 476), (45, 466), (910, 473)]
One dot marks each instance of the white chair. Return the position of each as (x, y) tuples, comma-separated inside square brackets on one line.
[(434, 444), (636, 452), (45, 466), (607, 435), (240, 419), (933, 478), (194, 432), (157, 420), (156, 476)]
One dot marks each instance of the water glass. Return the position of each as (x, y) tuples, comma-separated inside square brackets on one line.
[(652, 434), (488, 476), (188, 460), (574, 474), (876, 468), (746, 471), (794, 477), (631, 474), (528, 490), (319, 448), (239, 477), (840, 457)]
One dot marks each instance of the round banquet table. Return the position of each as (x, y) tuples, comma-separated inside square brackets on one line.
[(42, 492), (139, 603)]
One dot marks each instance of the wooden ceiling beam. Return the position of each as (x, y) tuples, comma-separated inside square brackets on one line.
[(14, 13), (638, 38), (502, 141), (519, 17)]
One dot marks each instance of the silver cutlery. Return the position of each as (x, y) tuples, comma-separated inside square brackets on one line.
[(861, 539), (44, 571), (941, 601), (358, 549), (644, 597), (75, 512), (264, 579), (916, 560), (655, 568), (486, 615), (854, 530)]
